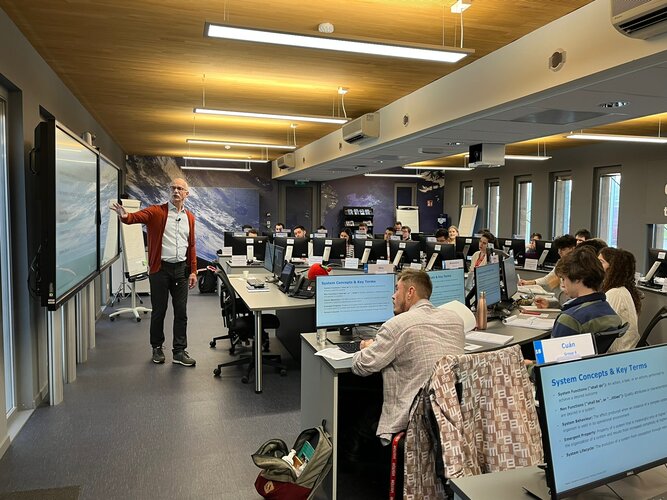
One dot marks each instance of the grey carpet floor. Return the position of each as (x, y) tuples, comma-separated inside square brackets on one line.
[(131, 429)]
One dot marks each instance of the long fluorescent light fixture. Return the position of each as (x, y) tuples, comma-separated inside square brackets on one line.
[(411, 176), (523, 157), (370, 46), (221, 169), (238, 160), (272, 116), (618, 138), (414, 167), (240, 144)]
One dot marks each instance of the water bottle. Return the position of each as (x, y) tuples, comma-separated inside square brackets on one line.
[(480, 315)]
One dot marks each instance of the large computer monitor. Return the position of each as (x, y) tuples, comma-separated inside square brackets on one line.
[(602, 418), (466, 246), (357, 299), (510, 279), (487, 279), (278, 260), (377, 249), (228, 237), (515, 247), (329, 248), (268, 257), (286, 277), (657, 261), (550, 257), (253, 247), (438, 253), (294, 247), (403, 252), (447, 286)]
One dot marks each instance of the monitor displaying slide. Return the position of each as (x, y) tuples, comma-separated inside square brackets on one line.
[(357, 299), (447, 286), (487, 279), (603, 417)]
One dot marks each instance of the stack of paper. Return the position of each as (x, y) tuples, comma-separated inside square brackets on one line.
[(535, 309), (535, 322), (488, 337)]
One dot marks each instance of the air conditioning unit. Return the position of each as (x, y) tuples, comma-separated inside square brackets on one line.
[(639, 18), (486, 155), (364, 127), (286, 162)]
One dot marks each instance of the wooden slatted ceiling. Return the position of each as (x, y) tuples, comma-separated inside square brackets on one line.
[(138, 66)]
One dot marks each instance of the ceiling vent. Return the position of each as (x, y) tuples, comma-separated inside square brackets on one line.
[(286, 162), (486, 155), (364, 127), (639, 18)]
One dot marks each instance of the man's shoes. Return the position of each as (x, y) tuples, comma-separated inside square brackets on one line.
[(158, 355), (183, 358)]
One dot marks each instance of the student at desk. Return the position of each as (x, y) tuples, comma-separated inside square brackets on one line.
[(407, 347), (564, 245)]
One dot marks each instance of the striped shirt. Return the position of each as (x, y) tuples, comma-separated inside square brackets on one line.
[(586, 314)]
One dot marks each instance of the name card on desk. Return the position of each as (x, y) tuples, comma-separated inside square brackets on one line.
[(314, 260), (239, 260), (379, 268), (564, 348), (454, 264), (351, 263), (416, 265), (530, 264)]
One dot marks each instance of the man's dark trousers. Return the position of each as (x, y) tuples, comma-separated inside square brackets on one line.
[(170, 279)]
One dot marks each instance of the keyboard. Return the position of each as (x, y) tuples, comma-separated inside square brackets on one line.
[(350, 347)]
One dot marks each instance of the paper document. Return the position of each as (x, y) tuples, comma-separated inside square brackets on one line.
[(471, 347), (534, 289), (488, 337), (538, 310), (536, 322), (334, 353)]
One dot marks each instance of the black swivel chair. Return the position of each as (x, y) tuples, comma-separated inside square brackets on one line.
[(226, 295), (603, 340), (241, 326), (659, 316)]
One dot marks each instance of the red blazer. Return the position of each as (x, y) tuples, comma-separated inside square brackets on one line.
[(155, 218)]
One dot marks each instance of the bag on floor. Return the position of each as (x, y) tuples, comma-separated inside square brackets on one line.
[(207, 281), (303, 471)]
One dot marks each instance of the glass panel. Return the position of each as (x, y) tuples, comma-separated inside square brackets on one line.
[(493, 207), (608, 201), (467, 195), (562, 193), (109, 176), (524, 198), (6, 331), (660, 236)]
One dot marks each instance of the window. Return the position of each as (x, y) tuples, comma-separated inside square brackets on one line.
[(523, 206), (660, 236), (492, 205), (466, 193), (608, 197), (562, 194)]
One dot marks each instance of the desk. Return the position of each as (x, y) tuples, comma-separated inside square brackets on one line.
[(323, 380), (508, 485), (258, 302)]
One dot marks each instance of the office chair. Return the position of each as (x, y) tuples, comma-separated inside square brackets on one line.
[(659, 316), (241, 327), (226, 295), (603, 340)]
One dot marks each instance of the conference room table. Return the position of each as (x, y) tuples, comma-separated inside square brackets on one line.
[(325, 382)]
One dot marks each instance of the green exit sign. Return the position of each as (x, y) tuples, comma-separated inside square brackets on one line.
[(300, 183)]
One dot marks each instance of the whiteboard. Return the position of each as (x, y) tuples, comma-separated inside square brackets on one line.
[(409, 216), (134, 251), (467, 220)]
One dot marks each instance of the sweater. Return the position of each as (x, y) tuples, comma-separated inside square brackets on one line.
[(586, 314), (621, 301), (155, 218)]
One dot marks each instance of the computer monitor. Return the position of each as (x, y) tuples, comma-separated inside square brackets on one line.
[(602, 418), (510, 279), (268, 257), (294, 247), (252, 247), (351, 300), (286, 277), (229, 236), (377, 249), (278, 260), (515, 247), (447, 286), (657, 261), (329, 248), (401, 252), (550, 257), (487, 279), (423, 239), (438, 253), (466, 246)]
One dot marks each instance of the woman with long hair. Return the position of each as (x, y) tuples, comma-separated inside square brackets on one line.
[(622, 294)]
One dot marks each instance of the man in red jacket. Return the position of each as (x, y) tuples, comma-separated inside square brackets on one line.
[(173, 266)]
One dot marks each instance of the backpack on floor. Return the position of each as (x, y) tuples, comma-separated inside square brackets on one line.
[(208, 283), (278, 479)]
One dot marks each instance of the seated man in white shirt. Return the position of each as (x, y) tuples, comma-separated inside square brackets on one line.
[(407, 347), (551, 283)]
